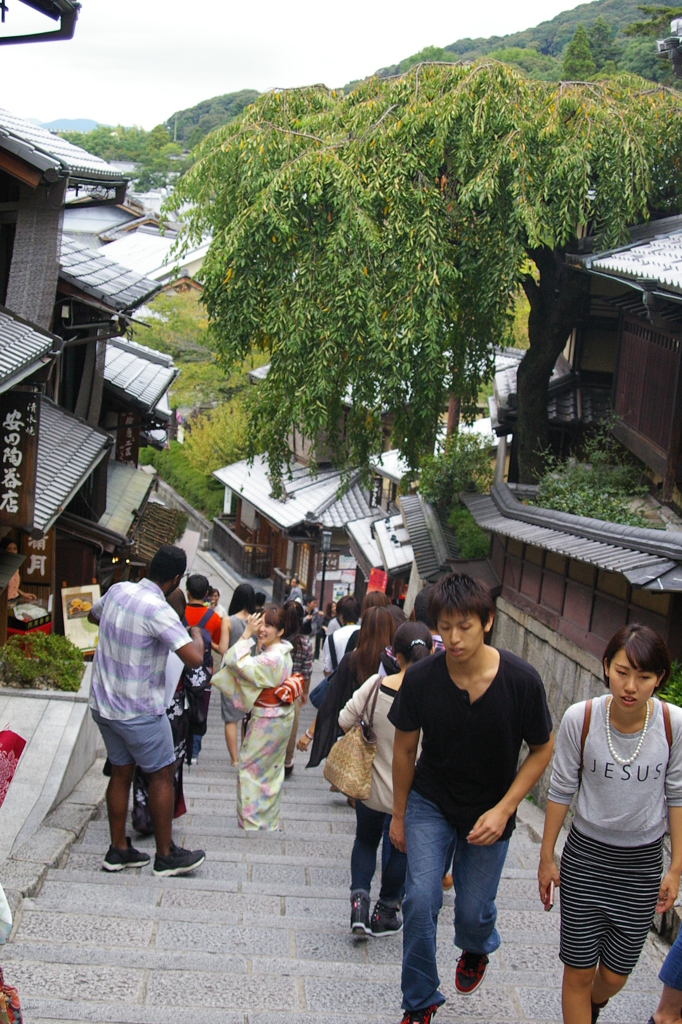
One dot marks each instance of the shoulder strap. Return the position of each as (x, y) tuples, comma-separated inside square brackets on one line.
[(586, 728), (373, 693), (332, 651), (205, 618), (667, 724)]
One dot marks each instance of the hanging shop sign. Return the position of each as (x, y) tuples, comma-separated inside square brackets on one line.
[(128, 438), (19, 426)]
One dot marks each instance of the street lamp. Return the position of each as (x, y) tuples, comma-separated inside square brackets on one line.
[(325, 545)]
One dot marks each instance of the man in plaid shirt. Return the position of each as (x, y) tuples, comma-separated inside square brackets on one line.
[(137, 629)]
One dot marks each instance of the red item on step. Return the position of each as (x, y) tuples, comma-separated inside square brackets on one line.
[(10, 1009), (11, 749)]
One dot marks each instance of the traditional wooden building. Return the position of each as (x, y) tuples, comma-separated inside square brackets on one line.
[(263, 536)]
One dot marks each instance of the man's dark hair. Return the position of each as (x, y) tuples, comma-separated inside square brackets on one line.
[(198, 586), (348, 609), (462, 594), (168, 562), (421, 608)]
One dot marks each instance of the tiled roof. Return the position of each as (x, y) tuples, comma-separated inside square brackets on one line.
[(655, 260), (68, 451), (363, 544), (647, 558), (48, 152), (149, 253), (432, 545), (97, 275), (138, 373), (306, 498), (23, 348), (394, 544), (127, 491), (390, 466)]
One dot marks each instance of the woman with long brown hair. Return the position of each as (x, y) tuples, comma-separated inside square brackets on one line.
[(375, 635)]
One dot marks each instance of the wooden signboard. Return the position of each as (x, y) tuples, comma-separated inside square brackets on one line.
[(76, 603), (128, 438), (19, 425), (39, 565)]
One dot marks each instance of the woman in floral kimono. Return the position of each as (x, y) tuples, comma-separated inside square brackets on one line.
[(250, 681)]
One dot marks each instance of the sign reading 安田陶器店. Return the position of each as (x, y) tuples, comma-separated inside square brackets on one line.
[(19, 425)]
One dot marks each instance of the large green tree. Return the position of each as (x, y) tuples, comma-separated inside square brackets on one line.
[(578, 59), (373, 244)]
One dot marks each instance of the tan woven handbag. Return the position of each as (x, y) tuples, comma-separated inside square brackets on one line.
[(349, 762)]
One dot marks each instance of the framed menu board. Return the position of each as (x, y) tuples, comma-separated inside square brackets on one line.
[(76, 604)]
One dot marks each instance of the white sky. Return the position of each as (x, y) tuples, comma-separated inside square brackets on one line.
[(137, 63)]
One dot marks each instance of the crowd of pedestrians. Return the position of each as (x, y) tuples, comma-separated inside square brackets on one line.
[(447, 715)]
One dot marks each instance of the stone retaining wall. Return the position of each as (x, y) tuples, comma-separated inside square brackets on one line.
[(569, 673)]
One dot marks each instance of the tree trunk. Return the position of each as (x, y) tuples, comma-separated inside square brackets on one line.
[(454, 407), (558, 302)]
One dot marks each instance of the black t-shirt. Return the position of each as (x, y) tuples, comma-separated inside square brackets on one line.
[(470, 752)]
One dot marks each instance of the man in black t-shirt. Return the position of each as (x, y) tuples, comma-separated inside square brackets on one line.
[(473, 706)]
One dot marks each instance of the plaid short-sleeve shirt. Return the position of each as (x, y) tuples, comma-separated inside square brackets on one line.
[(137, 629)]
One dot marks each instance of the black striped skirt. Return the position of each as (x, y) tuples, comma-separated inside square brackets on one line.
[(608, 896)]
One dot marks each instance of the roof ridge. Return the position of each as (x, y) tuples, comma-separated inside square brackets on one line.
[(634, 538)]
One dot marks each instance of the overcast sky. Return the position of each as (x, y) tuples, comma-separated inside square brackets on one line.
[(137, 63)]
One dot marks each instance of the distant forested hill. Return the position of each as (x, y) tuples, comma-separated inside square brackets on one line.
[(191, 125), (538, 51)]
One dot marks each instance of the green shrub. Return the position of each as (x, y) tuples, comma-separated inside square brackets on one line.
[(600, 483), (44, 661), (673, 690), (463, 464), (202, 492), (472, 541)]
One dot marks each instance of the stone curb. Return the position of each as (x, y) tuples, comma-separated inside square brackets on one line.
[(22, 874)]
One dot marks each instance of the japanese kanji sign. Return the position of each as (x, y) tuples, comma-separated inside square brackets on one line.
[(19, 424), (128, 440), (37, 569)]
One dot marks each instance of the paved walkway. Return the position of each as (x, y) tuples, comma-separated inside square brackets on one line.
[(259, 935)]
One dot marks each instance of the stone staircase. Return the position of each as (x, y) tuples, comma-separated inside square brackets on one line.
[(259, 934)]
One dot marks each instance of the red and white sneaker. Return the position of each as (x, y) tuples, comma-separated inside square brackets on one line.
[(471, 968), (420, 1016)]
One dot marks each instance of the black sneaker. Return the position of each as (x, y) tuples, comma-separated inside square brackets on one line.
[(117, 860), (178, 862), (420, 1016), (288, 770), (359, 915), (386, 921)]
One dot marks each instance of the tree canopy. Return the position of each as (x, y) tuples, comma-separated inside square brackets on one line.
[(372, 245), (578, 60)]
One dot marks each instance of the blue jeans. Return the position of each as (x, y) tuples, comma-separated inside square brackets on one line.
[(371, 827), (671, 971), (476, 872)]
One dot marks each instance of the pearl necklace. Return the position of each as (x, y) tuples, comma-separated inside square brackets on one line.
[(614, 755)]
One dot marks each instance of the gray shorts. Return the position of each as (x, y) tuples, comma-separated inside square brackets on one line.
[(146, 741), (228, 711)]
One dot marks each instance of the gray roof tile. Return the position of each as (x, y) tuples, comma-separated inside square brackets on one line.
[(95, 274), (68, 451), (23, 348), (140, 374), (642, 555), (48, 152)]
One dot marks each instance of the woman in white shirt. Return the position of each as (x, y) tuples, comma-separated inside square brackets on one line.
[(411, 643)]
